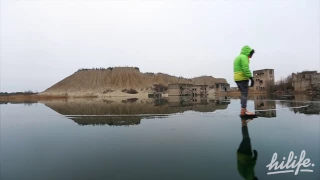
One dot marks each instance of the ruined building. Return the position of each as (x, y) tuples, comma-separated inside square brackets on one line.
[(178, 89), (183, 89), (264, 78), (306, 81), (222, 87)]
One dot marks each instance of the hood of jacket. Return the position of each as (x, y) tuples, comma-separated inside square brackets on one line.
[(246, 50)]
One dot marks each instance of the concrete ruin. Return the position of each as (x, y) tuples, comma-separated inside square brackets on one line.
[(264, 79), (222, 87), (306, 81), (182, 89), (178, 89)]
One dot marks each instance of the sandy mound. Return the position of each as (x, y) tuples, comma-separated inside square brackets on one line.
[(117, 81), (207, 80)]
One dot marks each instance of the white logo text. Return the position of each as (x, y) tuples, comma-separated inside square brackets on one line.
[(291, 165)]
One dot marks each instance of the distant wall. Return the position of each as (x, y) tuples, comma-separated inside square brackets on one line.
[(302, 85), (222, 87), (195, 90), (174, 90), (211, 94), (306, 81), (315, 82)]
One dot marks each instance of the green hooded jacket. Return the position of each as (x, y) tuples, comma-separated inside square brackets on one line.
[(241, 70), (246, 166)]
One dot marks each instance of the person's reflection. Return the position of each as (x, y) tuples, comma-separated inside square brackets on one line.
[(246, 159)]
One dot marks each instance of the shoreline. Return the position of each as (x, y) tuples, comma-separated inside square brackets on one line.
[(28, 98), (237, 93), (62, 96), (114, 95)]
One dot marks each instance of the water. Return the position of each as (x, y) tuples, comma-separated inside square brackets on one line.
[(142, 140)]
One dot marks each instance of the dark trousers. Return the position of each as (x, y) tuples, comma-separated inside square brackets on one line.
[(245, 146), (244, 89)]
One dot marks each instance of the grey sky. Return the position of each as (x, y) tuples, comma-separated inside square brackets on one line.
[(44, 41)]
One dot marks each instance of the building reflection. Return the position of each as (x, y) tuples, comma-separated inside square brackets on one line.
[(303, 104), (264, 107), (198, 103)]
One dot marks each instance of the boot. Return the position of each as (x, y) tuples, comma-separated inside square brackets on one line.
[(244, 112)]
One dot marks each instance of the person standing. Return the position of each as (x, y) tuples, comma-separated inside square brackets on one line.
[(242, 75)]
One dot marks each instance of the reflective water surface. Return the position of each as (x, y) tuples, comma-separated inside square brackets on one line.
[(161, 139)]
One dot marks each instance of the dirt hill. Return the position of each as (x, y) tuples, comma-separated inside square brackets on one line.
[(113, 81), (208, 80)]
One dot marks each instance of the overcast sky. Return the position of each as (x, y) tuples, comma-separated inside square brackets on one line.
[(44, 41)]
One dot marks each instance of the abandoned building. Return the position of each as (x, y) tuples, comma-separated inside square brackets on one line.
[(268, 107), (178, 89), (200, 90), (307, 81), (264, 78), (222, 87)]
